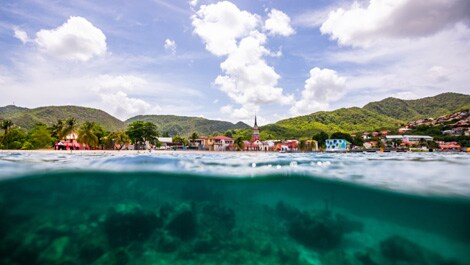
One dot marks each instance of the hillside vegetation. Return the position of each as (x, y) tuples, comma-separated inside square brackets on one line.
[(27, 118), (182, 125), (348, 120), (407, 110)]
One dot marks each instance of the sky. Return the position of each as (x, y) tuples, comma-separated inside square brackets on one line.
[(230, 60)]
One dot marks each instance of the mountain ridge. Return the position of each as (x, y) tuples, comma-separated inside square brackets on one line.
[(185, 125), (388, 113), (414, 109)]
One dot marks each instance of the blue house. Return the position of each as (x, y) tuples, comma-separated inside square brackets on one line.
[(337, 145)]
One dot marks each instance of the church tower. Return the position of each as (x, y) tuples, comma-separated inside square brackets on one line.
[(255, 132)]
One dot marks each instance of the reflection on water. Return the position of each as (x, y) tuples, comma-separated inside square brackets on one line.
[(161, 218)]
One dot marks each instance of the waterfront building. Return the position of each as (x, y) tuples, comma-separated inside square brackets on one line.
[(408, 139), (337, 145), (220, 143)]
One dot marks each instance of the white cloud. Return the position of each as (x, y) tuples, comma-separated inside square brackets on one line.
[(220, 25), (193, 3), (170, 46), (439, 73), (323, 86), (125, 82), (247, 79), (21, 35), (380, 20), (278, 23), (124, 106), (76, 39)]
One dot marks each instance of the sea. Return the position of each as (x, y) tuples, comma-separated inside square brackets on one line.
[(74, 208)]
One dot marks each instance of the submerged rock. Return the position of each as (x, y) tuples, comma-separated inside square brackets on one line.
[(183, 225), (286, 211), (399, 250), (218, 218), (122, 227), (323, 231), (317, 233)]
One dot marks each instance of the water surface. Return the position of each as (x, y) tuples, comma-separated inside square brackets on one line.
[(234, 208)]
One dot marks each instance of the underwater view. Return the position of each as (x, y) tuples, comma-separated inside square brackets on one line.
[(234, 208)]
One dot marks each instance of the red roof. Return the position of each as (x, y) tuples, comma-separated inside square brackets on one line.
[(222, 137), (450, 146)]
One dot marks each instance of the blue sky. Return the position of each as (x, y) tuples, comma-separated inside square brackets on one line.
[(230, 59)]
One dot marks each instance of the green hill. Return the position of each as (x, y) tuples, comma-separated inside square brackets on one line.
[(27, 118), (408, 110), (185, 126), (347, 120)]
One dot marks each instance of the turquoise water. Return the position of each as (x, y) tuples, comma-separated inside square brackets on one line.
[(234, 208)]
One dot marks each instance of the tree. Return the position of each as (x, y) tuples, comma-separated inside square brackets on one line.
[(14, 139), (56, 129), (6, 125), (193, 138), (357, 140), (302, 145), (118, 139), (101, 133), (69, 127), (39, 137), (228, 133), (86, 134), (321, 138), (239, 143), (166, 134), (422, 143), (340, 135), (142, 132), (178, 139)]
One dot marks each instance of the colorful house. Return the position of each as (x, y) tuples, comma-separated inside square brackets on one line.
[(220, 143), (337, 145)]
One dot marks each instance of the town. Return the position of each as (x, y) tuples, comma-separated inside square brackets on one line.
[(144, 136)]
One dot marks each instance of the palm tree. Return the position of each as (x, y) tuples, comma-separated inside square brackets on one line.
[(119, 139), (302, 145), (56, 129), (6, 125), (69, 127), (86, 134), (193, 138), (239, 143)]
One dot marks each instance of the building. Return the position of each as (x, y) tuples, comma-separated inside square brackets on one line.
[(255, 135), (408, 139), (255, 144), (449, 145), (311, 145), (165, 142), (220, 143), (337, 145)]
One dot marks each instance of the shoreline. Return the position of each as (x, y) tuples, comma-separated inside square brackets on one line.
[(52, 151)]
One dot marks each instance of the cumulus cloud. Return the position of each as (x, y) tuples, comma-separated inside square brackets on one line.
[(77, 39), (220, 25), (193, 3), (380, 20), (278, 23), (323, 86), (247, 79), (124, 82), (123, 106), (170, 46), (21, 35), (439, 74)]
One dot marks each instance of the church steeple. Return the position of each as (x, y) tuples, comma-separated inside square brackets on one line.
[(255, 131), (256, 124)]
